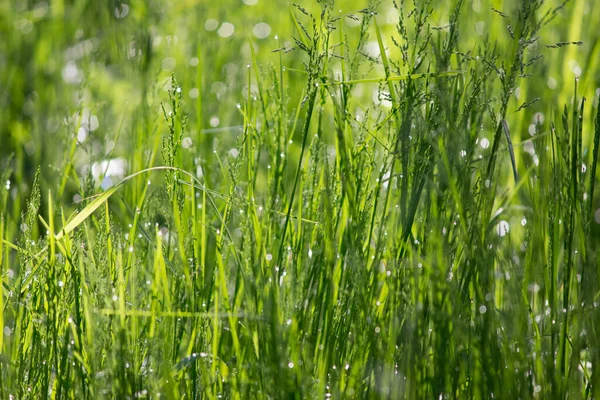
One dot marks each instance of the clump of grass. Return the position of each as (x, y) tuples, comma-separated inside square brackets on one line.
[(364, 218)]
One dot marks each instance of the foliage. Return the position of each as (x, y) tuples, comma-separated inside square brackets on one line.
[(387, 200)]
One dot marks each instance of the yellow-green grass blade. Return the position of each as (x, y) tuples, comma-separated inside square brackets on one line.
[(397, 78)]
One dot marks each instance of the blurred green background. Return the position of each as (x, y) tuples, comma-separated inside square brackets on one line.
[(105, 66), (84, 93)]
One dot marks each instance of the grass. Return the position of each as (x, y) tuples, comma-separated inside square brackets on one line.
[(384, 200)]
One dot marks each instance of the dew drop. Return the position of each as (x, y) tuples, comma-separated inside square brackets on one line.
[(211, 24), (261, 30), (502, 228), (597, 216), (121, 11), (186, 143), (226, 30)]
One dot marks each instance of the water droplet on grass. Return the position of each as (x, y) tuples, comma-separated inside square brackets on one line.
[(226, 30), (597, 216), (502, 228), (168, 64), (480, 27), (533, 287), (539, 118), (262, 30), (71, 73), (121, 11), (214, 121), (531, 130), (211, 24)]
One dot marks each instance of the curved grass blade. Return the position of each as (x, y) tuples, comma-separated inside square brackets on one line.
[(396, 78), (87, 211)]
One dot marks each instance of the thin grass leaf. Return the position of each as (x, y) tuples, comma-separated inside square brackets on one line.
[(511, 151), (563, 44)]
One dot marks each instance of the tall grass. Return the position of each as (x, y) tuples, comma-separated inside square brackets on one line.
[(389, 200)]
